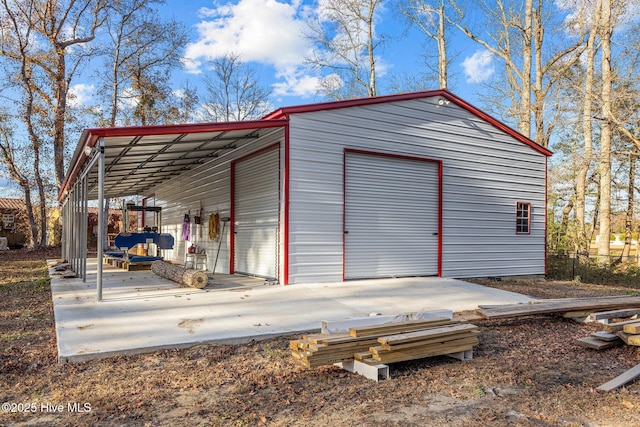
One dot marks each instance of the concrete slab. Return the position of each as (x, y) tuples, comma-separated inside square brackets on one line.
[(142, 312)]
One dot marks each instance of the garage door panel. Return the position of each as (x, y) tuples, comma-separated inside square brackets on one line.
[(391, 216), (256, 214)]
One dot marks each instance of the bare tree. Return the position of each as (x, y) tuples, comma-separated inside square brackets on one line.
[(140, 53), (9, 153), (233, 91), (346, 43), (430, 18), (42, 46), (516, 35), (40, 36)]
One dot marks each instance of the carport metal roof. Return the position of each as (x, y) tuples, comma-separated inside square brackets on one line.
[(136, 159)]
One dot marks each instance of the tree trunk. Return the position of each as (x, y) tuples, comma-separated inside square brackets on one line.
[(605, 136), (582, 242), (626, 251), (525, 92), (442, 48), (177, 273)]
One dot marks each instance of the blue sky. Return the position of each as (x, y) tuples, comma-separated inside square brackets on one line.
[(268, 34)]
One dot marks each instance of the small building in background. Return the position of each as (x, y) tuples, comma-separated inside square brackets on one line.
[(14, 228)]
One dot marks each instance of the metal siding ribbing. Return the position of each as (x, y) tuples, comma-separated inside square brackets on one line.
[(211, 184), (391, 217), (485, 172), (256, 198)]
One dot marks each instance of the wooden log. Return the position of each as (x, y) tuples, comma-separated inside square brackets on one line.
[(183, 276)]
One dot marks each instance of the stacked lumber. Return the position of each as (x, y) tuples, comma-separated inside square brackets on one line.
[(435, 341), (620, 326), (628, 331), (387, 343)]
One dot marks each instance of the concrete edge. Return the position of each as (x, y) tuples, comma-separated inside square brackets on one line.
[(86, 357)]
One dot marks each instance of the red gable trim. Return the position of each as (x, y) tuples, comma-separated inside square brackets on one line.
[(285, 112)]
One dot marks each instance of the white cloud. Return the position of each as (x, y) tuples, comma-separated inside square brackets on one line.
[(296, 83), (80, 95), (268, 32), (265, 31), (479, 66)]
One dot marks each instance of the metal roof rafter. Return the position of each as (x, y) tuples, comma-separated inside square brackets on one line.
[(191, 141)]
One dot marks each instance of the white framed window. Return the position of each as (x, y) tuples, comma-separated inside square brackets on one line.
[(8, 222), (523, 218)]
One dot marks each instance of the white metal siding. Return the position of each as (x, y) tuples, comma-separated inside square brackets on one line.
[(485, 172), (256, 200), (391, 217), (211, 184)]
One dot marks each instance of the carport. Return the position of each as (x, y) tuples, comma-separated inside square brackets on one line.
[(124, 162)]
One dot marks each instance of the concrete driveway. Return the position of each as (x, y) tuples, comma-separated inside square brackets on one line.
[(142, 312)]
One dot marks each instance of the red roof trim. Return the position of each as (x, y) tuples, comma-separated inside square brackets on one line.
[(90, 138), (185, 128), (285, 112)]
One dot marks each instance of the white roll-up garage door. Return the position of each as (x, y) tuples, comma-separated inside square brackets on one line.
[(256, 197), (391, 216)]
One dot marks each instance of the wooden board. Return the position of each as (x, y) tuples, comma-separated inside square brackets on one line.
[(618, 326), (596, 344), (454, 346), (394, 328), (621, 379), (432, 341), (614, 314), (632, 328), (633, 340), (624, 337), (436, 332), (561, 306), (604, 336)]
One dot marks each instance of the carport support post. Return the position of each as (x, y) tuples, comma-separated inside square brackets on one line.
[(100, 218)]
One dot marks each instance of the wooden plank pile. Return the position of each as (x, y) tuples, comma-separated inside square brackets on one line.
[(387, 343), (619, 331)]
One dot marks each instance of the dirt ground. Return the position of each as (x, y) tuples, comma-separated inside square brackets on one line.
[(525, 372)]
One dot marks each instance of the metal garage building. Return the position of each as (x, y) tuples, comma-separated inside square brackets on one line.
[(404, 185)]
